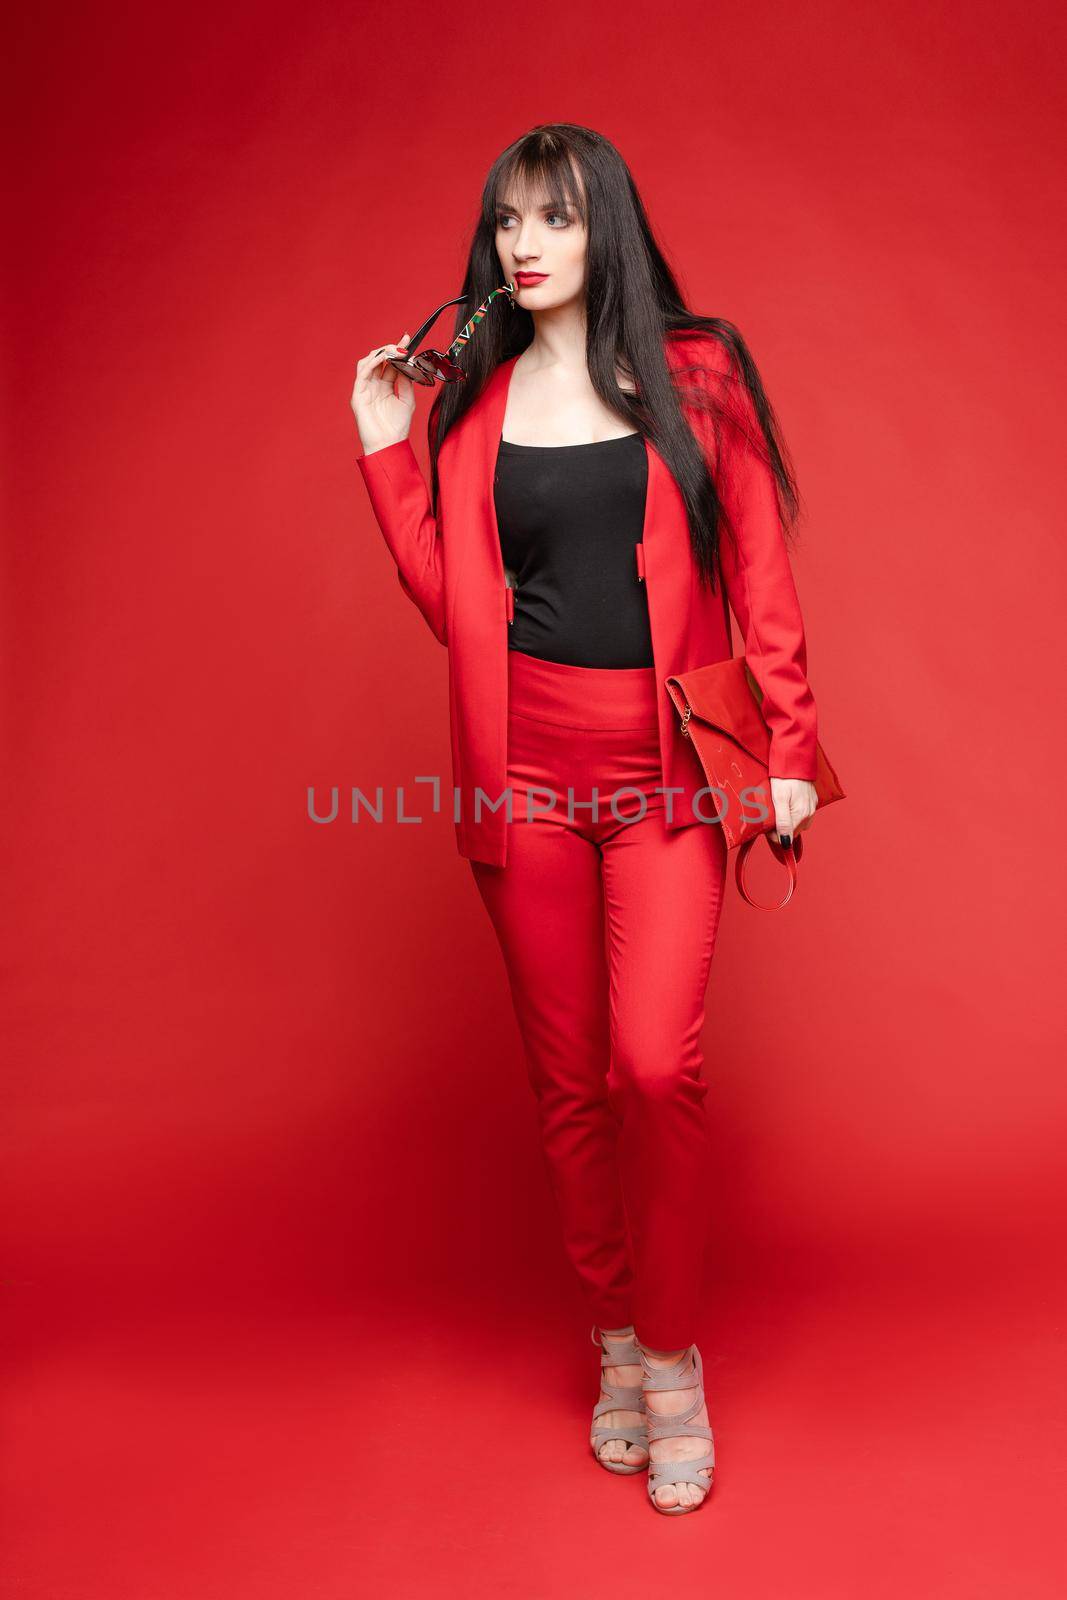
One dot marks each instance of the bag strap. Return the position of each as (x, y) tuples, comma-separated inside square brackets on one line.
[(788, 857)]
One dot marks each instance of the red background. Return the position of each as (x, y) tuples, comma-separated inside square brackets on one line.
[(283, 1294)]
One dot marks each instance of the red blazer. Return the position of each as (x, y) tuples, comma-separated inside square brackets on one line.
[(452, 568)]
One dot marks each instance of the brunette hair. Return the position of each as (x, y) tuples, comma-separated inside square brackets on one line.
[(633, 308)]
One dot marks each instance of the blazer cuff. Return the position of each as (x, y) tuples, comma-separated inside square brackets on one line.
[(793, 755), (379, 462)]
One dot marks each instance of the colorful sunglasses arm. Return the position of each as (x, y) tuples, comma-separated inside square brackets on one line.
[(463, 336)]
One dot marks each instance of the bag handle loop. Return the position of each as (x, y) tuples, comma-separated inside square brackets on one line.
[(789, 857)]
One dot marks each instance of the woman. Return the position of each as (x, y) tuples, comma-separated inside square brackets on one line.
[(609, 474)]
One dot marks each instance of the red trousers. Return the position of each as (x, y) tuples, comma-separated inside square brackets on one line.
[(607, 925)]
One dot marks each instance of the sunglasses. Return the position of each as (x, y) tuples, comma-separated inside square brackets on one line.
[(429, 366)]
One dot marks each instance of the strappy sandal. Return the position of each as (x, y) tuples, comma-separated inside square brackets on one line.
[(688, 1373), (620, 1352)]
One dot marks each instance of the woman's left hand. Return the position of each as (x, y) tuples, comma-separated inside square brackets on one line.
[(794, 801)]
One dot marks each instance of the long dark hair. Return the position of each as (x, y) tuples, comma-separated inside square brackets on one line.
[(632, 304)]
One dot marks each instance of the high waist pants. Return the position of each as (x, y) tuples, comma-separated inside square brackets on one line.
[(607, 924)]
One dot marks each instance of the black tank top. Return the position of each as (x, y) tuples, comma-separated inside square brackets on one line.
[(569, 519)]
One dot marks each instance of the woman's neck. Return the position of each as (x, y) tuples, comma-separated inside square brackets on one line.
[(558, 341)]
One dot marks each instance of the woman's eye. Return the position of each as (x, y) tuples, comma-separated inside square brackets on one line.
[(502, 222)]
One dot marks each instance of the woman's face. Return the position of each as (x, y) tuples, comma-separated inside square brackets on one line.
[(535, 237)]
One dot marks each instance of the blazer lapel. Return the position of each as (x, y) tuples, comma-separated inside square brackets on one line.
[(475, 466)]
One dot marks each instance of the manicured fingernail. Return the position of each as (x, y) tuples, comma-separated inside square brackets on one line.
[(785, 840)]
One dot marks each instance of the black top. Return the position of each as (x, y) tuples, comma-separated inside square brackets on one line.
[(570, 517)]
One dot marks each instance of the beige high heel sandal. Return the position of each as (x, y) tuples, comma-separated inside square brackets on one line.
[(688, 1373), (621, 1352)]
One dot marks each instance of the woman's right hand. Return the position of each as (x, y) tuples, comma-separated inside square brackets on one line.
[(383, 400)]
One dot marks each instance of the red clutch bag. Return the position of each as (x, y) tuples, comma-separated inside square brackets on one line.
[(721, 711)]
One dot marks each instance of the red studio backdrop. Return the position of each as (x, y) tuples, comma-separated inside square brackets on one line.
[(284, 1305)]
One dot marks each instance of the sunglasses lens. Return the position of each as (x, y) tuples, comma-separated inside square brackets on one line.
[(438, 364), (412, 370)]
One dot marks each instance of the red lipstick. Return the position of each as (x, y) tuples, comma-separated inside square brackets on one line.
[(530, 277)]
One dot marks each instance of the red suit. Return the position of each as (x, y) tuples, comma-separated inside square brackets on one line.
[(606, 915)]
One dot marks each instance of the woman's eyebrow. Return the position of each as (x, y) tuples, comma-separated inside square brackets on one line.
[(551, 206)]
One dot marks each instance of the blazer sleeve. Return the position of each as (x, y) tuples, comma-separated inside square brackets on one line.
[(760, 588), (401, 504)]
